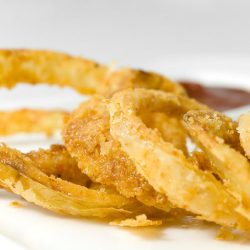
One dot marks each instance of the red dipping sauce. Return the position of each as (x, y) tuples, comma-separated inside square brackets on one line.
[(219, 98)]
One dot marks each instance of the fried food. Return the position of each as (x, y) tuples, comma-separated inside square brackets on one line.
[(87, 138), (125, 154), (165, 167), (87, 197), (215, 123), (31, 121), (85, 76), (138, 221), (35, 66), (54, 68), (46, 197), (244, 131), (229, 164), (57, 162)]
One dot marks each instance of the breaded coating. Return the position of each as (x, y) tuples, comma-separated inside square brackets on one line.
[(165, 167), (46, 197), (57, 162), (87, 138), (85, 76), (89, 198), (230, 165), (31, 121)]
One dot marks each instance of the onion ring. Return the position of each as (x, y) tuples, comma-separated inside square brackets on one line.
[(86, 77), (45, 197), (215, 123), (90, 198), (57, 162), (87, 138), (165, 167), (230, 165), (31, 121)]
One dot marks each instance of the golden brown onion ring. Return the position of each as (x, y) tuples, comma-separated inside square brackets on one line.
[(86, 77), (216, 123), (46, 197), (31, 121), (230, 165), (200, 160), (91, 198), (87, 138), (165, 167), (57, 162)]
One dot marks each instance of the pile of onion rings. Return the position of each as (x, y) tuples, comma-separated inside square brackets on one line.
[(124, 156)]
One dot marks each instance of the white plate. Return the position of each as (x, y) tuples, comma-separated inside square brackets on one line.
[(36, 228)]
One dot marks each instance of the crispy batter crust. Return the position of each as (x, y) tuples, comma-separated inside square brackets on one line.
[(130, 146), (85, 76), (57, 162), (31, 121), (45, 197), (165, 167), (87, 138), (230, 165), (89, 197)]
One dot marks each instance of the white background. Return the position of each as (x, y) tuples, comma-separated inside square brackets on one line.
[(132, 32)]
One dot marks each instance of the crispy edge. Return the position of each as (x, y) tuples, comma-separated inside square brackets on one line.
[(57, 162), (48, 198), (31, 121), (229, 164), (91, 198), (165, 167), (87, 138), (85, 76)]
